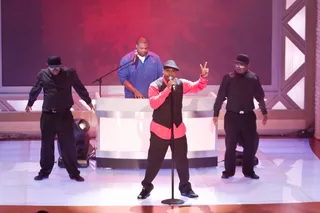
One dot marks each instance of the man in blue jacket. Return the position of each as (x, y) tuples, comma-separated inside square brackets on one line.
[(140, 68)]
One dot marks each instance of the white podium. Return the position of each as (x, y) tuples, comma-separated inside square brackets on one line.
[(123, 132)]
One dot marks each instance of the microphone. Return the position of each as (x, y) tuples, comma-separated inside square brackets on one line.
[(173, 86)]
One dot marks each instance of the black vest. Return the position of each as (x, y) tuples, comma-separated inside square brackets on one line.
[(162, 115)]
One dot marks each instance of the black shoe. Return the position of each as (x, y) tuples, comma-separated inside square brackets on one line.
[(145, 193), (77, 178), (41, 177), (225, 175), (253, 176), (189, 194)]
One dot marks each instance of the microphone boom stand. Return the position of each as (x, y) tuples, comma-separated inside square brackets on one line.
[(100, 79), (172, 200)]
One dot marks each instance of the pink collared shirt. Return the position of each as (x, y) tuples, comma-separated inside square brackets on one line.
[(157, 98)]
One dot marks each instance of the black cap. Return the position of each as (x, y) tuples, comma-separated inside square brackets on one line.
[(170, 64), (242, 58), (54, 61)]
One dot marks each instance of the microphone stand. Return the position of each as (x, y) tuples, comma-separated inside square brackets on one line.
[(172, 200), (100, 79)]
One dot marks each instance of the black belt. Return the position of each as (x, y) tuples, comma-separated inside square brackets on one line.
[(241, 112), (54, 111)]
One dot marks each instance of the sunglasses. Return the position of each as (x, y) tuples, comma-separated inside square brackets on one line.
[(240, 65), (53, 68)]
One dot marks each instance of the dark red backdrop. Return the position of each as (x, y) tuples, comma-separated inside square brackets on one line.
[(92, 35)]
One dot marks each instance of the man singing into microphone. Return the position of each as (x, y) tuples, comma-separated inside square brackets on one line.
[(137, 76), (160, 92)]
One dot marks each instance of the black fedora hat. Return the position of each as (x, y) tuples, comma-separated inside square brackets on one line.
[(54, 62), (243, 59), (170, 64)]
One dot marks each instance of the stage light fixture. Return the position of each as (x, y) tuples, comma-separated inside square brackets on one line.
[(239, 154), (83, 147)]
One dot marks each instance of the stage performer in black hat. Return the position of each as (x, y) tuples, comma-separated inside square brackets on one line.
[(240, 87), (56, 118)]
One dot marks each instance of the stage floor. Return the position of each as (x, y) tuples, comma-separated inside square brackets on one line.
[(289, 173)]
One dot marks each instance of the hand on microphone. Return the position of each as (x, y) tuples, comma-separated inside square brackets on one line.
[(171, 83)]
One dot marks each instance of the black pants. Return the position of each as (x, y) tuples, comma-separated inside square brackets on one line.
[(240, 125), (256, 144), (157, 151), (60, 124)]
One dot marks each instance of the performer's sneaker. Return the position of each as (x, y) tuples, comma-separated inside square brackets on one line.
[(144, 193), (189, 194)]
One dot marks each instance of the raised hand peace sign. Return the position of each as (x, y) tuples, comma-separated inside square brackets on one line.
[(204, 70)]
